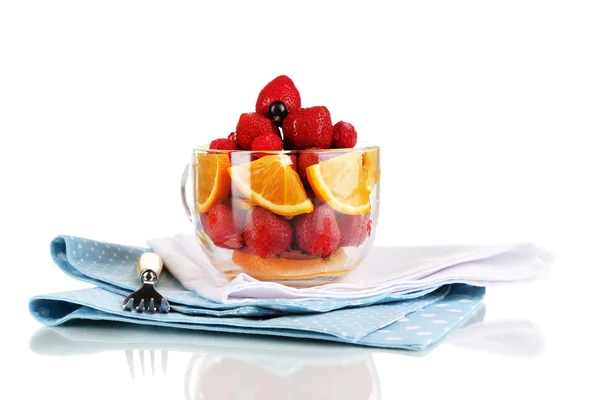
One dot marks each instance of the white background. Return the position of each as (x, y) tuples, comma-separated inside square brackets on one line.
[(488, 115)]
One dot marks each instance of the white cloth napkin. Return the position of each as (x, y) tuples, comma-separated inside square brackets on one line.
[(386, 270)]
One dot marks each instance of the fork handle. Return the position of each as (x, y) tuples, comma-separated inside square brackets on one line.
[(151, 261)]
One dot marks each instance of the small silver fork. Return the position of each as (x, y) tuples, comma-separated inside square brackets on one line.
[(147, 297)]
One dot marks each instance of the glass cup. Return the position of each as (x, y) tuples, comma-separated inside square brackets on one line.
[(298, 217)]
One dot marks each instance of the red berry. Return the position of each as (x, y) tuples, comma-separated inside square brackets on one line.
[(354, 229), (305, 160), (267, 142), (344, 136), (252, 125), (267, 234), (318, 233), (218, 225), (223, 144), (281, 88), (308, 127)]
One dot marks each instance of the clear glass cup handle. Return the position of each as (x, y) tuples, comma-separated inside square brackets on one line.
[(184, 184)]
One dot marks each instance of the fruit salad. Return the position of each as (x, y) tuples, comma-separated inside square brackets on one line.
[(287, 194)]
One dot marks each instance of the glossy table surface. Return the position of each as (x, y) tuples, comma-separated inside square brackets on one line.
[(525, 342)]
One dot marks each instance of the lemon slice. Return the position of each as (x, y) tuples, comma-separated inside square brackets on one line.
[(341, 183), (371, 169)]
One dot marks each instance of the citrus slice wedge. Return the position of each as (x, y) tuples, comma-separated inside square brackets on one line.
[(293, 265), (271, 183), (212, 180), (371, 169), (341, 183)]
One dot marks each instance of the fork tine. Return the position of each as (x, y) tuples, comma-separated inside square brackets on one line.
[(164, 305), (129, 357), (152, 361), (151, 307), (164, 356), (140, 306), (128, 306), (141, 352)]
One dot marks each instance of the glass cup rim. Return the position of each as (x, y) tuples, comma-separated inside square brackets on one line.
[(360, 147)]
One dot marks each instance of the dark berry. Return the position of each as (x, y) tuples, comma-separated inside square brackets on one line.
[(277, 112)]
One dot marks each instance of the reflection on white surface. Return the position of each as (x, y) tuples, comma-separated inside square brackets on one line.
[(261, 368), (225, 366), (516, 338), (214, 377)]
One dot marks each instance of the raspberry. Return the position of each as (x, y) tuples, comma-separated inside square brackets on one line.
[(267, 234), (252, 125), (344, 136), (223, 144), (354, 229), (308, 127), (318, 233), (281, 88), (218, 225), (267, 142)]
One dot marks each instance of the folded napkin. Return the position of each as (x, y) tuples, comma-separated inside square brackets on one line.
[(398, 270), (411, 320)]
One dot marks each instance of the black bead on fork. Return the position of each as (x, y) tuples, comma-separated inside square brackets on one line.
[(147, 297)]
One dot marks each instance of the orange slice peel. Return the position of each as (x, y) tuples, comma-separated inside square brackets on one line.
[(292, 265), (213, 184), (271, 183)]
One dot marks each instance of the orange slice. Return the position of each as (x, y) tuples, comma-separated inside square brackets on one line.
[(271, 183), (341, 183), (212, 180), (371, 169), (292, 265)]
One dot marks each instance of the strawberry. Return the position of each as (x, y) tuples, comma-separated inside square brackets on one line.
[(252, 125), (305, 160), (223, 144), (281, 88), (218, 225), (354, 229), (267, 234), (318, 233), (267, 142), (308, 127), (344, 136)]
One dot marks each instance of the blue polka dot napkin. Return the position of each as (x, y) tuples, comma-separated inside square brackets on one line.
[(411, 321)]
